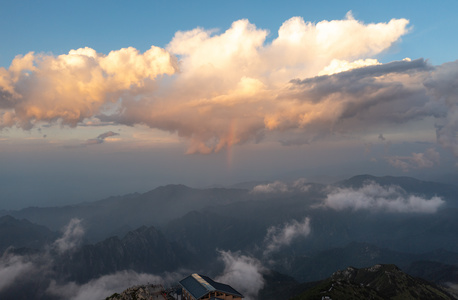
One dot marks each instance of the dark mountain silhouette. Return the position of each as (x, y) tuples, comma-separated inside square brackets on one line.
[(181, 227), (320, 265), (22, 233), (434, 271), (118, 215), (142, 250)]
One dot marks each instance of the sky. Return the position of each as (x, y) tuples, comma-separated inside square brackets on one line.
[(113, 97)]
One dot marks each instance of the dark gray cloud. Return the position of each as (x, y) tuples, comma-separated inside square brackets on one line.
[(392, 93), (443, 86), (100, 139)]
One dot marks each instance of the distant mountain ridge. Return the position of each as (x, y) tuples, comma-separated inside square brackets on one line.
[(23, 233), (176, 226), (163, 205), (118, 215)]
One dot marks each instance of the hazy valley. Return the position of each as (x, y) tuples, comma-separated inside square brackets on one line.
[(266, 239)]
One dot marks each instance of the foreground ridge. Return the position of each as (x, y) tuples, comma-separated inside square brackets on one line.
[(146, 292), (376, 282), (193, 287)]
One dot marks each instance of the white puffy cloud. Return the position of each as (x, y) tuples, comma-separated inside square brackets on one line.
[(278, 236), (13, 267), (274, 187), (38, 267), (71, 237), (337, 66), (376, 198), (101, 287), (75, 86), (303, 49), (427, 159), (299, 185), (242, 272)]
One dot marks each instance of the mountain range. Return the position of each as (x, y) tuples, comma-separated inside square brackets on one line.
[(296, 231)]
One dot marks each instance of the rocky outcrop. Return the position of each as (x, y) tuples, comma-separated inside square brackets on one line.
[(376, 282), (140, 292)]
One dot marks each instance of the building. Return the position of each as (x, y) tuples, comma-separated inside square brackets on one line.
[(200, 287)]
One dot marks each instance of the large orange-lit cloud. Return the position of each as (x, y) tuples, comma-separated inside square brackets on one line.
[(74, 86), (235, 75), (314, 79)]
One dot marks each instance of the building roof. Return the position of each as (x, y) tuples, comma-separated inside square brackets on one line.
[(200, 285)]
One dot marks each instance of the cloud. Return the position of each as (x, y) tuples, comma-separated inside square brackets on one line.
[(234, 78), (36, 272), (360, 98), (17, 270), (13, 267), (101, 287), (299, 185), (71, 87), (310, 47), (71, 237), (417, 161), (443, 86), (242, 272), (337, 66), (101, 138), (274, 187), (453, 286), (278, 236), (215, 89), (376, 198)]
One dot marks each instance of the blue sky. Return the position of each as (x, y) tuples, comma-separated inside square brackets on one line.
[(215, 103), (59, 26)]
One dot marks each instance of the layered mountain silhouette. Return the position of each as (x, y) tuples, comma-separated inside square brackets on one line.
[(177, 227), (23, 233), (143, 250)]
